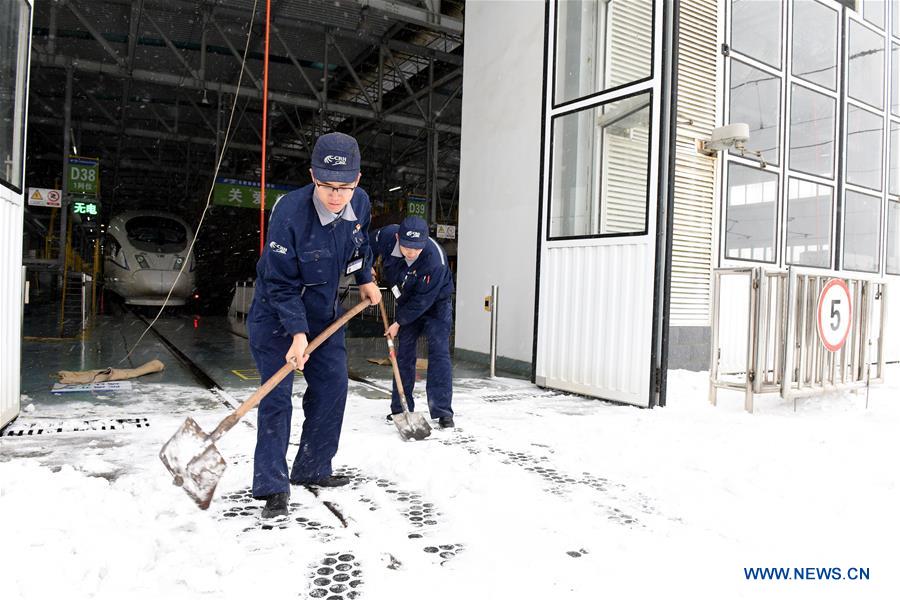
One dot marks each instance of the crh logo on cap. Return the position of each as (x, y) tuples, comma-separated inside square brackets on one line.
[(413, 234), (335, 160)]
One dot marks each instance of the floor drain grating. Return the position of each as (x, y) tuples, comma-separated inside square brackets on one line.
[(72, 426), (336, 577), (242, 504)]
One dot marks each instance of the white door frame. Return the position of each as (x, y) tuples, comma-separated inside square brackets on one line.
[(12, 201), (601, 303)]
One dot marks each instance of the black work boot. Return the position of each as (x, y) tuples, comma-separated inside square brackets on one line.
[(276, 505), (330, 481), (446, 422)]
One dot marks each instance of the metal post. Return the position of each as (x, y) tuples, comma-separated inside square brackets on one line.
[(790, 345), (752, 341), (83, 301), (495, 295), (714, 345), (67, 144), (883, 310)]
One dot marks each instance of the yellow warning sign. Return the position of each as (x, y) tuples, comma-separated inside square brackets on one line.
[(44, 197)]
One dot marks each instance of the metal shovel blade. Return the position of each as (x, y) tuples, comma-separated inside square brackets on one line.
[(411, 426), (194, 462)]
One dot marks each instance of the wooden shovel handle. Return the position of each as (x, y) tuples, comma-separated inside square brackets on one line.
[(229, 421), (393, 356)]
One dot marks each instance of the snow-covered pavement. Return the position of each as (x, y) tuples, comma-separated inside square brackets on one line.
[(535, 495)]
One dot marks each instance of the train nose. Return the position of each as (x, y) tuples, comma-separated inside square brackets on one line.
[(158, 282)]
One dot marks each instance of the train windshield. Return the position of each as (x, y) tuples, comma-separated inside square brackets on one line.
[(156, 234)]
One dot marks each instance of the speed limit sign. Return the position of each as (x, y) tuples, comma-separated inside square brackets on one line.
[(834, 314)]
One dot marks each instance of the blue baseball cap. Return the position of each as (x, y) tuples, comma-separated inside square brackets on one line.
[(335, 157), (413, 233)]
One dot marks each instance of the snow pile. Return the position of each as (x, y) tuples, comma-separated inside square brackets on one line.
[(536, 495)]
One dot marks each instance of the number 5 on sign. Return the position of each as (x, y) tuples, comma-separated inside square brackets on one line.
[(834, 314)]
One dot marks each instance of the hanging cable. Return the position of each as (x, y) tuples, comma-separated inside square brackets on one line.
[(212, 186), (265, 131)]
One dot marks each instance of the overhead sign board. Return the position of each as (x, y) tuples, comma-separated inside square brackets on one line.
[(83, 175), (246, 194), (834, 314), (416, 207), (446, 232), (44, 197)]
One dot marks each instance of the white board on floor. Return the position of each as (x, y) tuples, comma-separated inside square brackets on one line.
[(104, 386)]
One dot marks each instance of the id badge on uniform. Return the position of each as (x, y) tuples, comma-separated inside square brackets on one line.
[(353, 266), (395, 291)]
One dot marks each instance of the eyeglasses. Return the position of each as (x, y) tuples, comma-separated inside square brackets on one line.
[(343, 191)]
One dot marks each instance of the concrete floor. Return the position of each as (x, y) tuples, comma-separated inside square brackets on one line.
[(208, 342)]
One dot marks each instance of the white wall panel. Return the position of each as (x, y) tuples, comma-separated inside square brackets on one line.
[(11, 225), (10, 306), (595, 335), (500, 173), (695, 174)]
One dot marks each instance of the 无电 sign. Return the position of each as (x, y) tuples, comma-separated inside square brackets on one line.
[(91, 209), (83, 175)]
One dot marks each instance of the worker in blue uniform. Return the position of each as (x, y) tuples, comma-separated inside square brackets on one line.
[(316, 234), (415, 269)]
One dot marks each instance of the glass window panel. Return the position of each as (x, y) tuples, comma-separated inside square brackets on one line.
[(815, 43), (895, 79), (873, 12), (808, 224), (601, 157), (863, 148), (601, 45), (756, 29), (862, 228), (866, 66), (812, 132), (756, 100), (750, 213), (894, 161), (14, 33), (893, 238), (895, 17)]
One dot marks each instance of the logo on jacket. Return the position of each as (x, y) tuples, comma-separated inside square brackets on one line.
[(334, 160), (278, 248), (413, 234)]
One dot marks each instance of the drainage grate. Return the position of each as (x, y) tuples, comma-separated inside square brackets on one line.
[(336, 577), (444, 552), (416, 510), (562, 483), (518, 395), (242, 504), (75, 426)]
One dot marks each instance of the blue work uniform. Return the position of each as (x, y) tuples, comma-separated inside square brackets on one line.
[(308, 249), (423, 307)]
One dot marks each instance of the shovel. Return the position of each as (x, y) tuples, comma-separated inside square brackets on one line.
[(411, 426), (191, 455)]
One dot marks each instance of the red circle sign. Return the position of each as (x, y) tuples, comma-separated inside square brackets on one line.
[(834, 314)]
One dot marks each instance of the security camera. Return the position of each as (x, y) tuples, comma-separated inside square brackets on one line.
[(722, 138), (733, 135)]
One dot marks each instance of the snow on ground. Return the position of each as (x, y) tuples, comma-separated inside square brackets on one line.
[(535, 495)]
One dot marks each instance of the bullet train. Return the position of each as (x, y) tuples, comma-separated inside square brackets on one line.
[(143, 253)]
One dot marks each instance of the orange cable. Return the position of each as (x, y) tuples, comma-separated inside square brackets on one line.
[(265, 128)]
